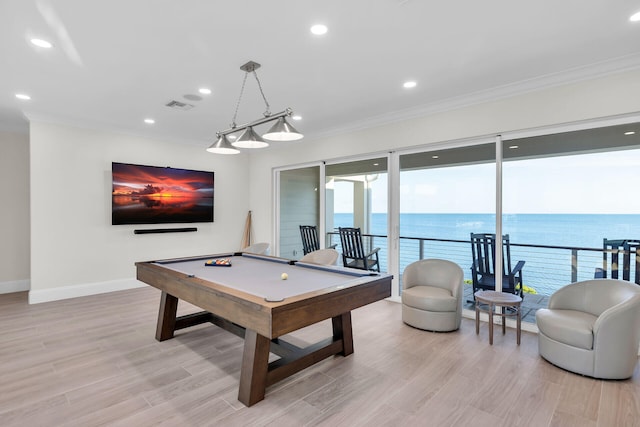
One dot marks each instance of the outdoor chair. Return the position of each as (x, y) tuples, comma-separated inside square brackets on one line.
[(432, 295), (310, 241), (592, 328), (612, 251), (353, 253), (483, 276)]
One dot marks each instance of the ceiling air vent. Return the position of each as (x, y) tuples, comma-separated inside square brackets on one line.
[(177, 105)]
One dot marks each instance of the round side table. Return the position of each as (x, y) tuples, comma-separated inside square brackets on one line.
[(487, 301)]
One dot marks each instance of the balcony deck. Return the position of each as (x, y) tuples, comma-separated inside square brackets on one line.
[(530, 304)]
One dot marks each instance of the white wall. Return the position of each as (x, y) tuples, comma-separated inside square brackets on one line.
[(74, 248), (76, 251), (14, 212), (602, 97)]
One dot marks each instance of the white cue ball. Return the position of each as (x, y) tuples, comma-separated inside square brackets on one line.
[(284, 276)]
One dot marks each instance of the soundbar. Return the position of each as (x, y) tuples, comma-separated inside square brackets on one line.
[(164, 230)]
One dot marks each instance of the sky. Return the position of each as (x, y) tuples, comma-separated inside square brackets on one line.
[(586, 183)]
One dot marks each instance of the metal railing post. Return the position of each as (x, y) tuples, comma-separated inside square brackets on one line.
[(574, 265)]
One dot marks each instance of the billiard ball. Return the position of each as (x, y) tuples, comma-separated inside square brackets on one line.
[(284, 276)]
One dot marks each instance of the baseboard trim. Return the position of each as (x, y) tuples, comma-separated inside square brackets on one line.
[(15, 286), (65, 292)]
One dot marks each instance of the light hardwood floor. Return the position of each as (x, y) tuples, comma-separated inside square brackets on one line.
[(94, 361)]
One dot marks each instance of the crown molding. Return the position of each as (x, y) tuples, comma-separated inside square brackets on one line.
[(570, 76)]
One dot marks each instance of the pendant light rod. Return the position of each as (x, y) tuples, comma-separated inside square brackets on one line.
[(257, 122)]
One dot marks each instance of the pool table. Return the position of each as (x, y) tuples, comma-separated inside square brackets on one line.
[(252, 298)]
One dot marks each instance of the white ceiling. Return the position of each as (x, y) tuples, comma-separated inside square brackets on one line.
[(117, 62)]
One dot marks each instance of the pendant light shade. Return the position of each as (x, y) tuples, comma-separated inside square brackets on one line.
[(282, 131), (222, 146), (249, 139)]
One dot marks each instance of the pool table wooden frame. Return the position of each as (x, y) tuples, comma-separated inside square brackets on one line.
[(261, 323)]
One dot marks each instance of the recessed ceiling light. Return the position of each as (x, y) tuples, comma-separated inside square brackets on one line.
[(376, 164), (435, 157), (635, 17), (149, 121), (409, 84), (23, 96), (204, 91), (319, 29), (513, 147), (41, 43), (631, 132), (296, 117)]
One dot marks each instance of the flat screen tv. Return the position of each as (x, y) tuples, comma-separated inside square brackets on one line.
[(160, 195)]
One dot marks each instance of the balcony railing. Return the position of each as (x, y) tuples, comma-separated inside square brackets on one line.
[(547, 267)]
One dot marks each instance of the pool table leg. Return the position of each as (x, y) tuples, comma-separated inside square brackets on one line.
[(166, 317), (255, 364), (342, 330)]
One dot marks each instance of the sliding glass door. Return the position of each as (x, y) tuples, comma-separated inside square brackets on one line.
[(563, 195), (557, 195), (356, 196), (298, 204), (445, 195)]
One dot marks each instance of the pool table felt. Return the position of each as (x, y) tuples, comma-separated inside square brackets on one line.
[(262, 277)]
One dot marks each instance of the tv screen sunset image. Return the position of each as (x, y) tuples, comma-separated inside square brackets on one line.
[(155, 195)]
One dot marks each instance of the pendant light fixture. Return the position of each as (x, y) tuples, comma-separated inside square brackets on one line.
[(280, 131)]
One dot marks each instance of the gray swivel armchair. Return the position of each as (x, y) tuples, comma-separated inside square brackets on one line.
[(432, 295), (321, 257), (592, 328), (261, 248)]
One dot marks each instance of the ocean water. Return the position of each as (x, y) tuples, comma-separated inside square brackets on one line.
[(545, 269)]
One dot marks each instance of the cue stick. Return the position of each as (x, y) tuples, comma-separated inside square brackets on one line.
[(246, 237)]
